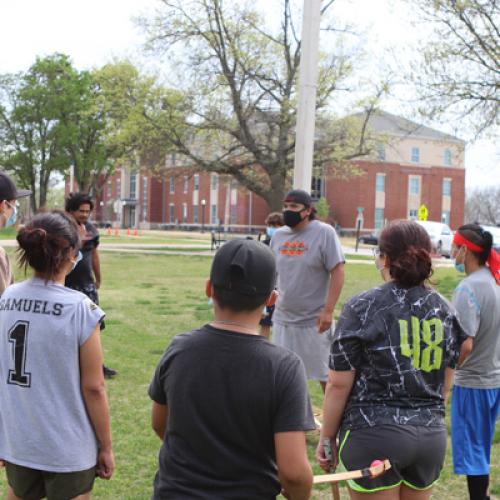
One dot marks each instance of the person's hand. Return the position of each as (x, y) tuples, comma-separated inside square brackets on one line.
[(324, 321), (2, 462), (326, 464), (105, 463), (98, 284)]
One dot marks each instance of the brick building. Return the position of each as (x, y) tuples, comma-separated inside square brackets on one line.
[(413, 165)]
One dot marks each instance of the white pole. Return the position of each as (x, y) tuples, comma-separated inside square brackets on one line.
[(71, 177), (306, 114)]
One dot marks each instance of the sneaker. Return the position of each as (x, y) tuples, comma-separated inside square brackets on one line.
[(109, 372)]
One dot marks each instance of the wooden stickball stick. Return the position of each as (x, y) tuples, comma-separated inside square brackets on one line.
[(377, 468)]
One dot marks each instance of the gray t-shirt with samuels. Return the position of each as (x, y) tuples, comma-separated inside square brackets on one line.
[(477, 301), (304, 260), (44, 423)]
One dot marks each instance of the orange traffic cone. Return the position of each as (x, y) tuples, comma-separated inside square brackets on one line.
[(128, 231), (117, 232), (136, 232), (109, 231)]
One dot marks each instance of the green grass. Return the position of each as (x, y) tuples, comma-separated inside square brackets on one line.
[(8, 233), (150, 298)]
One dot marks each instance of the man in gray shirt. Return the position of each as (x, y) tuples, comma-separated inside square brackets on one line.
[(310, 266)]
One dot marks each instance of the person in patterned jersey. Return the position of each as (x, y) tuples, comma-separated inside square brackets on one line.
[(392, 361)]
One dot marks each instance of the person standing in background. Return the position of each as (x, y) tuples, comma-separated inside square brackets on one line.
[(475, 406), (310, 266), (86, 276), (273, 222), (9, 195)]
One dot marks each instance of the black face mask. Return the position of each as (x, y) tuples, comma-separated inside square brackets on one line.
[(291, 218)]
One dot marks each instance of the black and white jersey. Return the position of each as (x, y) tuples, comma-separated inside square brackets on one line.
[(400, 342)]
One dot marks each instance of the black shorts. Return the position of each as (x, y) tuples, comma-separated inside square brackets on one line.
[(33, 484), (416, 454)]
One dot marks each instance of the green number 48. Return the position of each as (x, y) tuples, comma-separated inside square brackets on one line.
[(431, 357)]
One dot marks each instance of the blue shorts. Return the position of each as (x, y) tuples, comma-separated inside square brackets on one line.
[(473, 416)]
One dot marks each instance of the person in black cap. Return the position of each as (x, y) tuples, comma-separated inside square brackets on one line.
[(9, 195), (230, 407), (310, 266)]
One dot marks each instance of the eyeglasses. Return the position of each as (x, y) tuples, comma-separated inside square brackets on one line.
[(376, 252)]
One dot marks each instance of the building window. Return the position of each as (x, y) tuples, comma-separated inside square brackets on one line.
[(316, 183), (380, 183), (194, 208), (144, 198), (414, 185), (133, 186), (213, 214), (196, 182), (446, 187), (171, 213), (172, 185), (186, 184), (415, 154), (381, 152), (184, 212), (445, 218), (234, 214), (447, 157), (413, 214), (214, 181), (379, 218)]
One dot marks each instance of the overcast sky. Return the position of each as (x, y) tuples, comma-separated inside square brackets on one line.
[(95, 31)]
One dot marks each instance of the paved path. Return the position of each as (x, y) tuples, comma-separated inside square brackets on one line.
[(204, 251)]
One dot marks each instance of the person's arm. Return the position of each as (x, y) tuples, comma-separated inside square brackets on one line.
[(96, 400), (336, 283), (449, 376), (6, 277), (96, 267), (294, 469), (337, 392), (159, 417), (465, 350)]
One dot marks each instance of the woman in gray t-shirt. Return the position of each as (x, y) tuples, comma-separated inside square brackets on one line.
[(54, 418), (476, 395)]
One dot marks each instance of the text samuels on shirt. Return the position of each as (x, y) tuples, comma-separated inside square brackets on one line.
[(31, 305), (293, 248)]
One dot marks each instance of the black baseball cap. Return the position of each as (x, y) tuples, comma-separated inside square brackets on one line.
[(8, 190), (299, 196), (244, 266)]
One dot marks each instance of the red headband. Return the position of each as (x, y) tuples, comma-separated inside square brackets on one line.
[(460, 240), (493, 258)]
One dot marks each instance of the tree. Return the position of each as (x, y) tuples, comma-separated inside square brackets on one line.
[(238, 84), (323, 209), (32, 138), (483, 205), (461, 70), (98, 124)]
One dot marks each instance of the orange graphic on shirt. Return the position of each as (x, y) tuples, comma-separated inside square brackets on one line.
[(293, 248)]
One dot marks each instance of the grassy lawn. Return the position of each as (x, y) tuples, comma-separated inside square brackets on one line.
[(150, 298)]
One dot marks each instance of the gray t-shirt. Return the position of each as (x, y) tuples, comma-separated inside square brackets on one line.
[(304, 261), (43, 419), (477, 300)]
